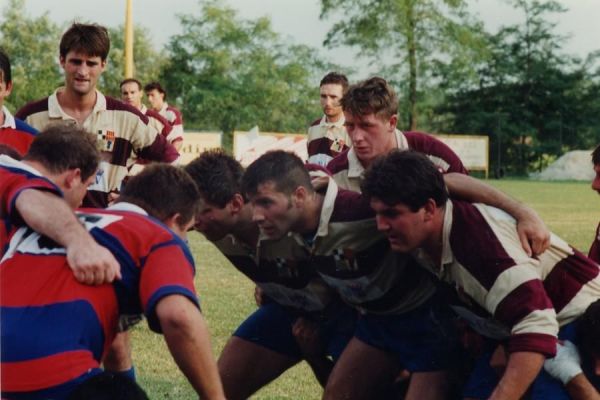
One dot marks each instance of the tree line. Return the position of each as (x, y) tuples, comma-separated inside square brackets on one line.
[(517, 85)]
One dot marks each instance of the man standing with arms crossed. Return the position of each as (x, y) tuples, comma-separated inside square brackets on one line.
[(122, 131), (327, 136)]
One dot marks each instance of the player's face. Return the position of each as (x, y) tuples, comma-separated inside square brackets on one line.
[(155, 98), (81, 72), (371, 135), (273, 211), (331, 94), (212, 221), (596, 181), (404, 228), (131, 94)]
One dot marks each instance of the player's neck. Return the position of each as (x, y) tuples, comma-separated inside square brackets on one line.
[(312, 214), (434, 244), (334, 118), (75, 105), (2, 116)]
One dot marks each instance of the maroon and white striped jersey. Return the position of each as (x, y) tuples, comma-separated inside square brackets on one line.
[(483, 259), (347, 170)]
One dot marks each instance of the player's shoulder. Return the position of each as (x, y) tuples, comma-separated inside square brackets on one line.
[(113, 104), (31, 108), (24, 127)]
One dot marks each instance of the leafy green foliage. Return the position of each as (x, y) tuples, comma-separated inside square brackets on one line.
[(32, 45), (536, 102), (408, 40), (229, 73), (148, 61)]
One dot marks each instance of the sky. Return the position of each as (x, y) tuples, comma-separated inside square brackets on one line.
[(298, 20)]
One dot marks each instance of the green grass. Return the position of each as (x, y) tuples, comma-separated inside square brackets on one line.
[(571, 210)]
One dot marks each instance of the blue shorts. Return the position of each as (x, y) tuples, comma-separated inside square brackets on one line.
[(271, 326), (423, 339), (484, 379)]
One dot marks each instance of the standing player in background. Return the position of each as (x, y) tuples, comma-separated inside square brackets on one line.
[(34, 192), (13, 132), (157, 97), (56, 331), (371, 113), (327, 136), (122, 132), (131, 93)]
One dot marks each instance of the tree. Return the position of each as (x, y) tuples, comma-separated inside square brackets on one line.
[(230, 73), (414, 35), (148, 61), (32, 45), (535, 100)]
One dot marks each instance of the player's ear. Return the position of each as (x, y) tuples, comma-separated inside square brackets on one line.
[(236, 204), (430, 209), (71, 177), (172, 221), (300, 195)]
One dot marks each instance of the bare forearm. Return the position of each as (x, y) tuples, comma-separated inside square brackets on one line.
[(51, 216), (521, 370), (580, 388), (187, 337)]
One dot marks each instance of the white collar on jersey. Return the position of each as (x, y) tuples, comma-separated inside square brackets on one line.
[(9, 120)]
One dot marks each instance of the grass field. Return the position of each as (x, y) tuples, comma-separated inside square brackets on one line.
[(571, 210)]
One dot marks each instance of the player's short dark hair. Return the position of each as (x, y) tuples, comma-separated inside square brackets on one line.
[(404, 177), (5, 69), (373, 96), (62, 147), (218, 176), (596, 155), (155, 86), (335, 78), (285, 170), (89, 39), (163, 190), (108, 386), (131, 80), (9, 151), (588, 330)]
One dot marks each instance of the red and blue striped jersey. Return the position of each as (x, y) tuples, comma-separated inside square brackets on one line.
[(54, 329), (15, 177), (16, 133)]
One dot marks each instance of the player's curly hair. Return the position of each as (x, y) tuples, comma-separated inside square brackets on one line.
[(404, 177), (163, 191), (373, 96), (218, 176)]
